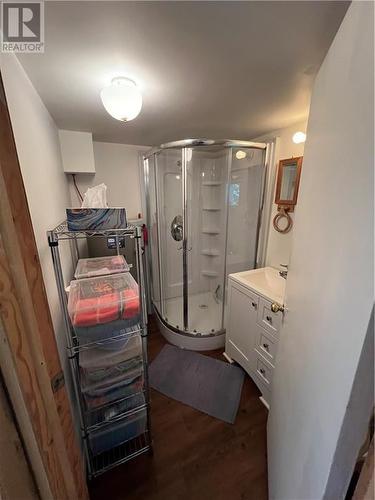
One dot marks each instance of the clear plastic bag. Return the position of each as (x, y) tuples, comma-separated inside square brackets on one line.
[(95, 197)]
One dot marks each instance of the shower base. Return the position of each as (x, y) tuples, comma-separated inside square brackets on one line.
[(204, 316)]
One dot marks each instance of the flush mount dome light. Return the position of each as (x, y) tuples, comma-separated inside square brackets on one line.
[(240, 155), (122, 99), (299, 137)]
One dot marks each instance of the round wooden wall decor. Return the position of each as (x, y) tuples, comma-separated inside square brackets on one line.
[(282, 214)]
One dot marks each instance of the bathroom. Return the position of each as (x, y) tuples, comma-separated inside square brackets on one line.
[(241, 167)]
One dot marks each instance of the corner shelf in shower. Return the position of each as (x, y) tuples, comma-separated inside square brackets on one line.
[(208, 230), (211, 183), (210, 253), (209, 274)]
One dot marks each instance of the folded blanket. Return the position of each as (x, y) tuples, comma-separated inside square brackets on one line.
[(130, 300), (100, 397), (119, 433), (95, 359), (101, 266), (113, 329), (106, 308), (116, 408), (102, 377)]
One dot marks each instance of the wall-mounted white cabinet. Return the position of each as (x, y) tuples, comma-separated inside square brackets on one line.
[(77, 152), (253, 328)]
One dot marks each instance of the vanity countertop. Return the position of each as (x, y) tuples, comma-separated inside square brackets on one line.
[(265, 281)]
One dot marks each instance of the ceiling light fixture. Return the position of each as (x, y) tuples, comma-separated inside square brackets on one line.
[(299, 137), (122, 99), (240, 155)]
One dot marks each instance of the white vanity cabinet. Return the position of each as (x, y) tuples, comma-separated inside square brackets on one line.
[(241, 326), (253, 328)]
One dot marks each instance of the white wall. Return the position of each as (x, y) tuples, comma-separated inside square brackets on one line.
[(279, 246), (118, 166), (46, 187), (329, 293)]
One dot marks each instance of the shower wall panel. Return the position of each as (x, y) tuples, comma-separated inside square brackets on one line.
[(245, 196)]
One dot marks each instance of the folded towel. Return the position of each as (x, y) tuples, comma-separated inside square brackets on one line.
[(130, 301), (96, 310), (105, 308)]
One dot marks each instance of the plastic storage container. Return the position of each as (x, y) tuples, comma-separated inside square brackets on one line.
[(123, 386), (97, 366), (114, 435), (103, 307), (101, 266), (106, 413)]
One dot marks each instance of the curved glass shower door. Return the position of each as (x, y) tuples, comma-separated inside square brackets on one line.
[(207, 180), (168, 164), (191, 193)]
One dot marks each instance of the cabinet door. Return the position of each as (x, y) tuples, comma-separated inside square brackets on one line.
[(242, 324)]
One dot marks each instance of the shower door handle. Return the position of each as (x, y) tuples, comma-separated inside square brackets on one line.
[(177, 230)]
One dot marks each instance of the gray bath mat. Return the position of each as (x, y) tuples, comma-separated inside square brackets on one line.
[(207, 384)]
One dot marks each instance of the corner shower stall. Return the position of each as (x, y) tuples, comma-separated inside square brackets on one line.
[(204, 204)]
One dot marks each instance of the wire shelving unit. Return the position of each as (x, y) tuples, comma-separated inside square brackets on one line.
[(104, 417)]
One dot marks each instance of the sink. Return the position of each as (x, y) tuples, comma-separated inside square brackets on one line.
[(266, 281)]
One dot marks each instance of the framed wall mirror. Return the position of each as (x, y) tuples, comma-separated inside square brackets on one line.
[(288, 177)]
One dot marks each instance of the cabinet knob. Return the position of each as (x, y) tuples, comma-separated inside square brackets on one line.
[(266, 346), (269, 319), (262, 371), (275, 307), (254, 304)]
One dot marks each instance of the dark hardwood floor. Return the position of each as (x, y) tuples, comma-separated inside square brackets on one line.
[(195, 456)]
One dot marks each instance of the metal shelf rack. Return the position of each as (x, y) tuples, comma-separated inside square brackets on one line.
[(103, 417)]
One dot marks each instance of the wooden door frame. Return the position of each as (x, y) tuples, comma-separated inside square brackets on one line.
[(26, 319), (365, 486), (16, 478)]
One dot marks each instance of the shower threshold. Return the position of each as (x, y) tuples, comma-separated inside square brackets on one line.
[(205, 331)]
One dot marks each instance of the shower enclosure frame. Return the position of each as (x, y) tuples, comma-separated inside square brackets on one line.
[(207, 341)]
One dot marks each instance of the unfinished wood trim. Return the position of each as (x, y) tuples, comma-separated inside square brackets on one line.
[(365, 486), (26, 431), (16, 479), (28, 327)]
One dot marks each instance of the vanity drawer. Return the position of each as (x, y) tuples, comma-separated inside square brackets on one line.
[(269, 320), (266, 345), (264, 371)]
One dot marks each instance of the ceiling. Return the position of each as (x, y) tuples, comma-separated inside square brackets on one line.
[(206, 69)]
